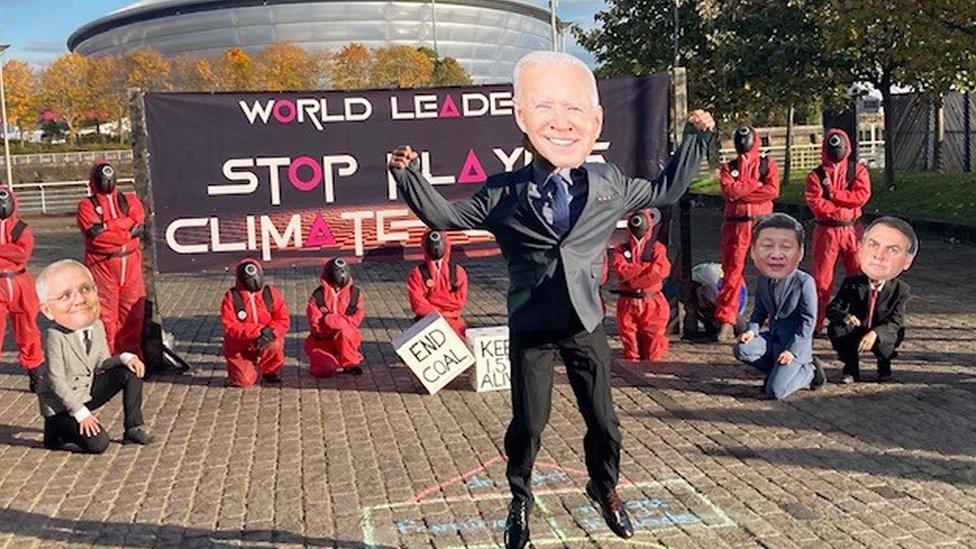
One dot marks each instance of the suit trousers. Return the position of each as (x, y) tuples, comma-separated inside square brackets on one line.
[(782, 380), (845, 342), (587, 359), (62, 426)]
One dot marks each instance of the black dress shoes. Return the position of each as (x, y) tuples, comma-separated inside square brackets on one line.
[(614, 511), (517, 525)]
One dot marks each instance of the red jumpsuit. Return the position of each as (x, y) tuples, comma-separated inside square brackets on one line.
[(333, 321), (115, 260), (242, 328), (836, 206), (749, 193), (641, 265), (18, 298), (430, 288)]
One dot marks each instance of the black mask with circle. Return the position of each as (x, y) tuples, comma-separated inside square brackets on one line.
[(836, 147), (638, 226), (249, 276), (435, 245), (744, 139), (337, 273), (6, 204), (105, 178)]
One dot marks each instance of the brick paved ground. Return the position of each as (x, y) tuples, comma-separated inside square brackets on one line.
[(370, 459)]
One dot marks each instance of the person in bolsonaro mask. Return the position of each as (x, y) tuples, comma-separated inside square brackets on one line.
[(255, 319), (111, 223), (439, 284), (750, 183), (18, 297), (335, 310), (835, 192), (641, 264)]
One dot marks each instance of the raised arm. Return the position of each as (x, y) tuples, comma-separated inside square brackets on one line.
[(668, 187), (428, 204)]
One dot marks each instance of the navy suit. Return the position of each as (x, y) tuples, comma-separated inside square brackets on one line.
[(791, 321)]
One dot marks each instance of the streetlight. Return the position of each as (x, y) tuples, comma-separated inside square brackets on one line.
[(433, 25), (3, 112), (552, 22)]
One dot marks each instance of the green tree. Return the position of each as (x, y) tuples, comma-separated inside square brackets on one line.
[(448, 72), (401, 67)]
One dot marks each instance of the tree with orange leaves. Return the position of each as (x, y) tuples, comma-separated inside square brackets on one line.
[(286, 67), (401, 67), (349, 69), (20, 85)]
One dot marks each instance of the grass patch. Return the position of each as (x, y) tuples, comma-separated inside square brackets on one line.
[(922, 195)]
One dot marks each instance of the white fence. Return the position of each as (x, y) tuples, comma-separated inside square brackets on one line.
[(79, 157), (57, 197), (807, 155)]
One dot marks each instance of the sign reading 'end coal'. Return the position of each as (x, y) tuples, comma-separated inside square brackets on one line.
[(433, 352)]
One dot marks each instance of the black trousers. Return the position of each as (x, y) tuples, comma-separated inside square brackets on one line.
[(587, 359), (62, 427), (845, 342)]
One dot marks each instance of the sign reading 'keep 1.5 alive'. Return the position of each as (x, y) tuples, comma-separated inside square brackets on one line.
[(292, 177)]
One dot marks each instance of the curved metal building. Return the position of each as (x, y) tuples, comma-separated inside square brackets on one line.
[(486, 36)]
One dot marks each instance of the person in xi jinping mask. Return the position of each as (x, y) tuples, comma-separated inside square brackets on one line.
[(439, 284), (255, 320), (335, 310), (112, 223), (18, 298)]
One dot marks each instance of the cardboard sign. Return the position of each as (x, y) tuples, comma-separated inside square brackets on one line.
[(433, 352), (490, 349)]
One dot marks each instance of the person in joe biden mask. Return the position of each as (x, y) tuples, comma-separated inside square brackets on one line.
[(335, 310), (749, 183), (438, 284), (553, 220), (835, 192), (111, 223), (255, 320), (18, 298)]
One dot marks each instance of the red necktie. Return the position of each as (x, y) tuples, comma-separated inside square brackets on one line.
[(872, 300)]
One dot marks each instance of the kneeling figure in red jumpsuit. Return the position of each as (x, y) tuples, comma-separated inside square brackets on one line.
[(335, 310), (641, 265), (438, 284), (255, 319)]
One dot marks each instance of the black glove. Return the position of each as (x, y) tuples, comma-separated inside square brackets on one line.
[(266, 338), (136, 231)]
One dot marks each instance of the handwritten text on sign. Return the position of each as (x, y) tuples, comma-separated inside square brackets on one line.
[(490, 349), (433, 352)]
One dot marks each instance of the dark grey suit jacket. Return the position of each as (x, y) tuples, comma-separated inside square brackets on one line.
[(66, 381), (534, 253)]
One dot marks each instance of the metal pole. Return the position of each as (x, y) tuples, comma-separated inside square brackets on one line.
[(552, 22), (433, 25), (3, 111), (788, 161), (677, 30), (967, 129)]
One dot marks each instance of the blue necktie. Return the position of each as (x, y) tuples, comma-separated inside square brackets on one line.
[(559, 202)]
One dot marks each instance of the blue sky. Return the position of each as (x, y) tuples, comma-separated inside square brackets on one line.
[(37, 30)]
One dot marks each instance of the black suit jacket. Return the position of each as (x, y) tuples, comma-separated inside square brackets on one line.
[(889, 311)]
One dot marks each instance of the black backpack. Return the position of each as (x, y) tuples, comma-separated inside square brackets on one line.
[(763, 166), (235, 295), (452, 274), (319, 296)]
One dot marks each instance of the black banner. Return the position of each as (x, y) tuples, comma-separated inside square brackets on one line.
[(293, 177)]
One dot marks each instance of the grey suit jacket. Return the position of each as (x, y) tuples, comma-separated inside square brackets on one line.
[(534, 253), (791, 323), (66, 381)]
